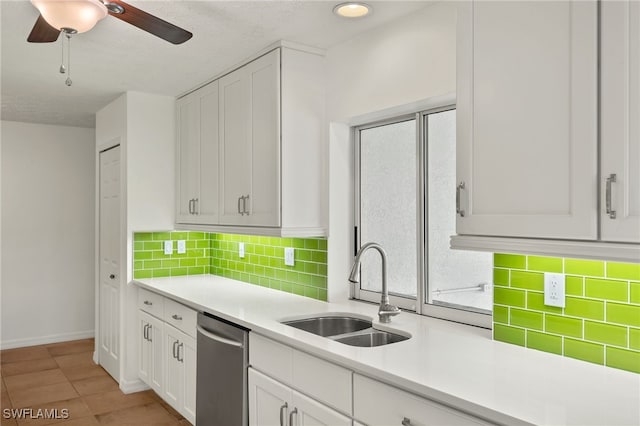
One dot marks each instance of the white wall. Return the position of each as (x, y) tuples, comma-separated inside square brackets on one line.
[(48, 233), (404, 62)]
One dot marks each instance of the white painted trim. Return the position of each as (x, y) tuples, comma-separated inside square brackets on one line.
[(43, 340), (131, 386), (446, 100), (262, 231), (558, 248)]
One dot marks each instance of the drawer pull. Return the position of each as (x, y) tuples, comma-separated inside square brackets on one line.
[(406, 421), (459, 209), (609, 209), (176, 317), (283, 410), (146, 302)]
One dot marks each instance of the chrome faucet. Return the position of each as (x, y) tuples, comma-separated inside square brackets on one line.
[(386, 310)]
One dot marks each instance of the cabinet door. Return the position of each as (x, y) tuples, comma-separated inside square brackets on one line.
[(187, 357), (263, 76), (188, 151), (235, 145), (526, 119), (206, 204), (156, 355), (173, 379), (313, 413), (620, 120), (269, 401)]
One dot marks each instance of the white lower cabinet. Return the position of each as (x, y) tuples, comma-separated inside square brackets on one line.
[(151, 342), (167, 351), (378, 404), (273, 403), (180, 384)]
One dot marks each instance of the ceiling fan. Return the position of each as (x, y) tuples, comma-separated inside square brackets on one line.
[(78, 16)]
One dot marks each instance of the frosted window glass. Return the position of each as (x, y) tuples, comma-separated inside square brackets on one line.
[(388, 206), (450, 269)]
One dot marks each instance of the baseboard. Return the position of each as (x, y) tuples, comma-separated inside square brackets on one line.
[(54, 338), (95, 357), (131, 386)]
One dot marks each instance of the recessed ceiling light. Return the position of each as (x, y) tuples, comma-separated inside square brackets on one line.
[(352, 10)]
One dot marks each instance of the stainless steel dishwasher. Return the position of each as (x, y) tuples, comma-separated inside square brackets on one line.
[(223, 358)]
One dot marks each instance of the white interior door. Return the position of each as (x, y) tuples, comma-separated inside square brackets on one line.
[(109, 255)]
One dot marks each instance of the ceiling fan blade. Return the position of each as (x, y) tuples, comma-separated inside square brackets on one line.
[(42, 32), (150, 23)]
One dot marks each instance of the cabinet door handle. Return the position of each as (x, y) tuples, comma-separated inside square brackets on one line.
[(611, 179), (180, 358), (144, 332), (196, 210), (406, 421), (283, 410), (244, 205), (294, 411), (459, 188), (146, 302), (176, 317), (149, 335), (175, 345), (239, 208), (191, 206)]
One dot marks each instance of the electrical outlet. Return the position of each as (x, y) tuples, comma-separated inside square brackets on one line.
[(241, 250), (182, 246), (554, 291), (289, 256), (168, 247)]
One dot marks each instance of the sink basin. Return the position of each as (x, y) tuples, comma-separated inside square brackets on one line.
[(330, 326), (371, 339)]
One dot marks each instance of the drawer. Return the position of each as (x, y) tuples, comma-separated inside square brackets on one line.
[(323, 381), (181, 317), (271, 358), (376, 403), (151, 302)]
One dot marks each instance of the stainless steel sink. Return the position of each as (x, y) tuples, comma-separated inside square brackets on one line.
[(371, 339), (347, 330), (330, 326)]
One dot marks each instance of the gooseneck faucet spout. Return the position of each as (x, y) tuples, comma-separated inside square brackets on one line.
[(386, 310)]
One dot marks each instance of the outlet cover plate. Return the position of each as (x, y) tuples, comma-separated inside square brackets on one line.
[(554, 289), (241, 250), (289, 256), (182, 246), (168, 247)]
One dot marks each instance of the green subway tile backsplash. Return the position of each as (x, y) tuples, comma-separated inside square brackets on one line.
[(600, 322), (217, 254)]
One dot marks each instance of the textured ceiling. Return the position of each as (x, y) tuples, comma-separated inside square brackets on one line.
[(115, 57)]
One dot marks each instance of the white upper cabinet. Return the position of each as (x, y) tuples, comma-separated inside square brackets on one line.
[(527, 119), (271, 151), (197, 156), (620, 121), (250, 144)]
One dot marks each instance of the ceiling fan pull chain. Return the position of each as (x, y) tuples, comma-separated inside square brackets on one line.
[(68, 82), (62, 67)]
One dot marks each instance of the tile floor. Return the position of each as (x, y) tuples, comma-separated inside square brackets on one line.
[(63, 376)]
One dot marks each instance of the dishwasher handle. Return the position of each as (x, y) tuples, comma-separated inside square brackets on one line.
[(220, 339)]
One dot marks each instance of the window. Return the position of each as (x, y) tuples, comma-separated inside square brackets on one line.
[(405, 201)]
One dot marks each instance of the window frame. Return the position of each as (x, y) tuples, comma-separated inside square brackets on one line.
[(420, 304)]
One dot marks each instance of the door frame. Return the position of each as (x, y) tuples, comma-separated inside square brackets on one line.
[(100, 148)]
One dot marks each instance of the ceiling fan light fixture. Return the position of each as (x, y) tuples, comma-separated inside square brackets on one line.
[(352, 10), (79, 15)]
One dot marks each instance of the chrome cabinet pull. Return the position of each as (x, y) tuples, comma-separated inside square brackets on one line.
[(149, 338), (196, 211), (239, 201), (611, 179), (176, 317), (459, 188), (406, 421), (283, 409), (294, 411), (112, 276), (180, 346), (244, 205), (146, 302), (191, 206), (175, 345), (144, 332)]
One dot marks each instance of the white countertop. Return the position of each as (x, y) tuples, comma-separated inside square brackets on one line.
[(454, 364)]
